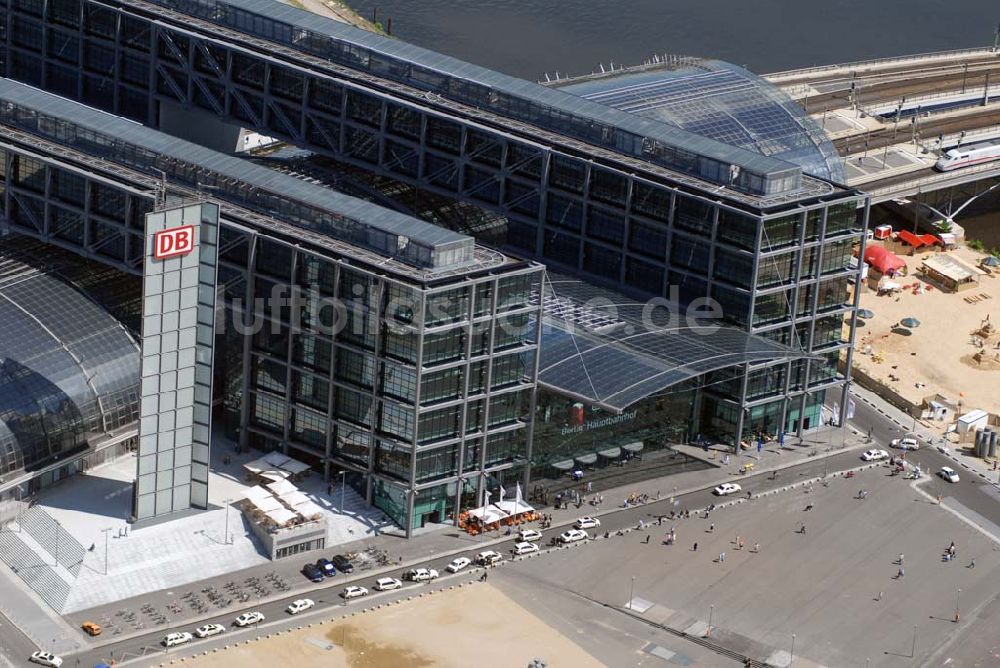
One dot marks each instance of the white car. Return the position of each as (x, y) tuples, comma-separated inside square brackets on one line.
[(174, 639), (525, 548), (209, 630), (420, 574), (488, 558), (387, 584), (726, 488), (587, 523), (908, 443), (529, 535), (46, 659), (948, 474), (874, 455), (249, 618), (353, 592), (301, 605), (458, 564), (572, 536)]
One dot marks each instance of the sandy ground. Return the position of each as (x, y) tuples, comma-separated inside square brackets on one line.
[(475, 625), (933, 353)]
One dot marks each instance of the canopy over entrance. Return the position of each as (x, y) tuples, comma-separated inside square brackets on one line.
[(608, 349)]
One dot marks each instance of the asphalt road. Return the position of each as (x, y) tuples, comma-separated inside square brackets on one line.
[(327, 597), (15, 646)]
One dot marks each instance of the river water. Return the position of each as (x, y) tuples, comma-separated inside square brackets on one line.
[(528, 38)]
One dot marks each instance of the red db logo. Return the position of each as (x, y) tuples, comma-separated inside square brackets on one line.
[(173, 242)]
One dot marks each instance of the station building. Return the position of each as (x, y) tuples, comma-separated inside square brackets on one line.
[(422, 365)]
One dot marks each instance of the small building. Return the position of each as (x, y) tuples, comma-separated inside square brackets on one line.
[(949, 272), (971, 421)]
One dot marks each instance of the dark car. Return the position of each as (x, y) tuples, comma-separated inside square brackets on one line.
[(326, 567), (343, 564), (312, 572)]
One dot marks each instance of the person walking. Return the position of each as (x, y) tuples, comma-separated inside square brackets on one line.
[(756, 548), (722, 557), (803, 529), (972, 563), (711, 527), (647, 539), (695, 548), (900, 573), (899, 559)]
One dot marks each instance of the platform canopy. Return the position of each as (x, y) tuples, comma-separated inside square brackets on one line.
[(281, 516), (308, 510), (599, 347), (294, 499), (282, 487)]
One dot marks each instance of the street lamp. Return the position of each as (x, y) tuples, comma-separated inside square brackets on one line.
[(631, 591), (791, 657), (343, 489), (711, 614), (105, 532), (225, 537), (958, 605)]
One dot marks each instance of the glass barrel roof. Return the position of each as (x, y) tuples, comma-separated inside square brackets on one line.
[(720, 101), (605, 348), (69, 371)]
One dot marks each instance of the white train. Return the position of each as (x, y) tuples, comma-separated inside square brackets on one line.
[(960, 157)]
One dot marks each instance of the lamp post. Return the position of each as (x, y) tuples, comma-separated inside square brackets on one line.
[(913, 647), (631, 591), (225, 537), (791, 657), (958, 605), (343, 489), (711, 614), (105, 532)]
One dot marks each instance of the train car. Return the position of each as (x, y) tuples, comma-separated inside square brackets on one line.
[(967, 156)]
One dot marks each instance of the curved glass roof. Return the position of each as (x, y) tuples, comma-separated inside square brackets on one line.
[(69, 371), (720, 101), (607, 349)]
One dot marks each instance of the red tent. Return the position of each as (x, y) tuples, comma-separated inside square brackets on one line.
[(882, 260)]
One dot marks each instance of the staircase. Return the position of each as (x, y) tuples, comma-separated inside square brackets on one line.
[(53, 538), (38, 575)]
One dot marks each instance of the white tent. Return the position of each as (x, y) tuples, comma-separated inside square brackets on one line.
[(276, 459), (488, 514), (295, 467), (282, 487), (281, 516), (309, 510), (294, 498), (514, 507), (262, 500)]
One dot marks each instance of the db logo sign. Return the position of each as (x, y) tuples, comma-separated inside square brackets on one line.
[(173, 242)]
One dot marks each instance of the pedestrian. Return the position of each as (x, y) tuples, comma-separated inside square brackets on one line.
[(737, 541), (879, 597), (659, 521), (972, 564), (722, 557), (647, 539), (739, 545), (711, 527), (590, 486), (900, 573), (657, 495), (695, 548), (803, 529), (899, 559), (126, 531), (756, 548), (749, 495), (482, 578), (119, 532)]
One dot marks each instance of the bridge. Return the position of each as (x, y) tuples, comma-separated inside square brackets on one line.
[(892, 118)]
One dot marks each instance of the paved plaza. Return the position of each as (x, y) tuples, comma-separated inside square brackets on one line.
[(837, 586), (170, 554)]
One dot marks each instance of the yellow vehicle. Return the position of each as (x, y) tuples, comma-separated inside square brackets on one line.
[(746, 468), (92, 628)]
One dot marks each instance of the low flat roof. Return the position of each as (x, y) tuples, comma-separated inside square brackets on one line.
[(950, 267)]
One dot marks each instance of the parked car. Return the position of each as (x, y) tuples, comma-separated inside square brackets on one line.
[(353, 591), (587, 523), (174, 639), (420, 574), (458, 564), (572, 536), (874, 455), (726, 489), (529, 535), (906, 443), (300, 605), (342, 563), (948, 474), (312, 572), (209, 630), (92, 628), (524, 548), (249, 618), (387, 584), (46, 659), (326, 566), (488, 558)]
